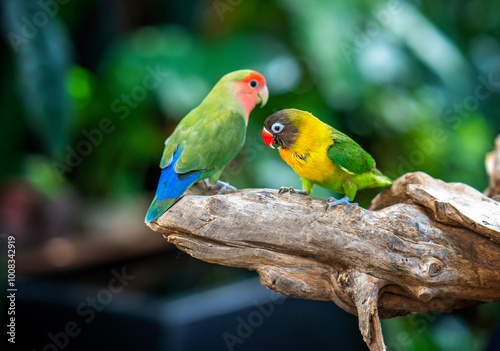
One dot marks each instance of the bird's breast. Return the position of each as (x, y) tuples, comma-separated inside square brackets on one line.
[(315, 166)]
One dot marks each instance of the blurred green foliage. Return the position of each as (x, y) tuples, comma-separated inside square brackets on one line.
[(389, 73), (90, 94)]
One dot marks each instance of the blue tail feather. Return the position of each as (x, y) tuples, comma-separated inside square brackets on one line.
[(171, 186)]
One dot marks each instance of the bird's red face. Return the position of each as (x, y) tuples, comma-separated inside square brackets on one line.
[(252, 90)]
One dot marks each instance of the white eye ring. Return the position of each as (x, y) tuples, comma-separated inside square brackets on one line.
[(277, 127)]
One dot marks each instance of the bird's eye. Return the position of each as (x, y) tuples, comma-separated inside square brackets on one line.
[(277, 127), (253, 84)]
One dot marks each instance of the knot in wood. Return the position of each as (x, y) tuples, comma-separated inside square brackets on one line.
[(344, 280), (424, 294), (431, 266)]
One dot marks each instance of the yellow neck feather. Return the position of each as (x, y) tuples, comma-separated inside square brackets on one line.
[(313, 134)]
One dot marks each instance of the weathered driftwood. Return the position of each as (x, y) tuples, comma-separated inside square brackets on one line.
[(424, 245), (493, 169)]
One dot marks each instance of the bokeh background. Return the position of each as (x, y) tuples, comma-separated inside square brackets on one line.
[(90, 90)]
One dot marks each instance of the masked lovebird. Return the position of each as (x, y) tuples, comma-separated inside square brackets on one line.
[(208, 137), (322, 155)]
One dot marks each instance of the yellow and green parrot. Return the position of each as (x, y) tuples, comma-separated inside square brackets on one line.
[(208, 137), (322, 155)]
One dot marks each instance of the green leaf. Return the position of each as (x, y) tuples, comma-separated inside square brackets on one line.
[(42, 47)]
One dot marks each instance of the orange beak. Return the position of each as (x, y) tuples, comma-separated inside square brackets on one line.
[(267, 137)]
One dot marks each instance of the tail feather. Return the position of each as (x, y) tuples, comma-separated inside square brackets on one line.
[(380, 179), (157, 208), (171, 186)]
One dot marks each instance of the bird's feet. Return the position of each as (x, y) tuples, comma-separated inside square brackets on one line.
[(220, 187), (290, 189), (346, 200), (225, 187)]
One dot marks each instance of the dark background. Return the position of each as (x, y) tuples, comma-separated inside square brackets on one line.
[(416, 83)]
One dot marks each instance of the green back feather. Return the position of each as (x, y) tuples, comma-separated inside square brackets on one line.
[(212, 134), (346, 153)]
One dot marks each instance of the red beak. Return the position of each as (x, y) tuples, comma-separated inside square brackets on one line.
[(267, 137)]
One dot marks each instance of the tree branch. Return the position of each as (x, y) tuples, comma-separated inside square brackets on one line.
[(424, 245), (493, 170)]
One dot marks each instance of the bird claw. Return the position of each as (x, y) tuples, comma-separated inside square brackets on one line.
[(346, 200), (285, 189), (225, 188), (291, 190)]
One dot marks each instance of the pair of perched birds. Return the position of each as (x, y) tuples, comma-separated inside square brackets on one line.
[(213, 133)]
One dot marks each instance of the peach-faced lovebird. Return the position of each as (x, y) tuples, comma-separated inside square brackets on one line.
[(208, 137), (322, 155)]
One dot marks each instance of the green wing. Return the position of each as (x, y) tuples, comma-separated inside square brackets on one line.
[(208, 138), (346, 153)]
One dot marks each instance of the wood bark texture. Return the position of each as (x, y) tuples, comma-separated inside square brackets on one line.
[(423, 245), (493, 169)]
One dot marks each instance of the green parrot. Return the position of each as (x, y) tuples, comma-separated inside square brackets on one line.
[(322, 155), (208, 137)]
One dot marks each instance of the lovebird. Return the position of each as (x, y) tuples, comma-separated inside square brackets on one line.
[(322, 155), (208, 137)]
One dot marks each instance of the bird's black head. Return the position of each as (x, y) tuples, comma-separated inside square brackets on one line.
[(279, 129)]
